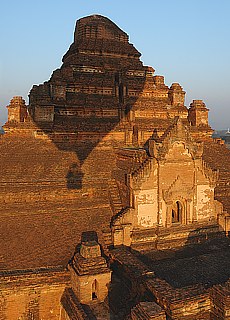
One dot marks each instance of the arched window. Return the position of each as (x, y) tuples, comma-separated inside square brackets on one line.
[(177, 212)]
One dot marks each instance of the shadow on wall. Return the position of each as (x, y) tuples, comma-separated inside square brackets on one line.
[(74, 177), (92, 95), (82, 136)]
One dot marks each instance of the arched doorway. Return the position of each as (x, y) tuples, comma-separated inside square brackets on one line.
[(94, 289), (177, 212)]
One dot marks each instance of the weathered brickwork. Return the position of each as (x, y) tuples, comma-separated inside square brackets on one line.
[(32, 295), (17, 110), (105, 146)]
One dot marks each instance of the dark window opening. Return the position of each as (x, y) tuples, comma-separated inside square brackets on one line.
[(121, 93), (173, 215), (177, 212), (94, 290), (94, 296)]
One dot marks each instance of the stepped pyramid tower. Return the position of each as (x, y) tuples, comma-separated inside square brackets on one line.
[(105, 147)]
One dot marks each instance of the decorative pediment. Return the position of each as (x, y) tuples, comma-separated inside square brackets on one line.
[(178, 132)]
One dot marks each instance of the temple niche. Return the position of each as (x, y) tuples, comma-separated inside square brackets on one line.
[(107, 156)]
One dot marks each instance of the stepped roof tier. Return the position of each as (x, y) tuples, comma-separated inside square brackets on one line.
[(99, 36)]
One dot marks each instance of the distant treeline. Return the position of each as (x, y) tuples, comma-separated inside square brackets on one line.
[(224, 135)]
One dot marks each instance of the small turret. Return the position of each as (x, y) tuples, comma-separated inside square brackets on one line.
[(198, 114), (176, 95), (159, 81), (90, 275), (17, 110)]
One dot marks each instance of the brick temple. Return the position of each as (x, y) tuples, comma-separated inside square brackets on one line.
[(114, 199)]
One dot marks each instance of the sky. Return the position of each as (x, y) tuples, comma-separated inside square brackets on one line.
[(187, 41)]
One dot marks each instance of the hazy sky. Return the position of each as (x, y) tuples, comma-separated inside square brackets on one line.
[(187, 41)]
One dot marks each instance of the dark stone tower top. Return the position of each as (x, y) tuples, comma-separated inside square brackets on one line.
[(98, 27), (102, 85), (99, 35)]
